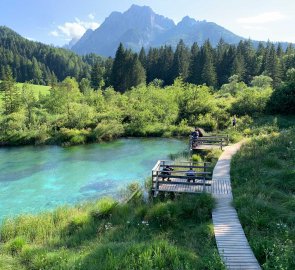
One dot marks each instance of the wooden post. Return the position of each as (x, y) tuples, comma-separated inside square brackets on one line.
[(157, 184), (204, 183), (221, 142)]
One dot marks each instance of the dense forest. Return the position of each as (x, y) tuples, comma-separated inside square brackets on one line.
[(158, 93), (204, 64), (36, 62), (43, 64)]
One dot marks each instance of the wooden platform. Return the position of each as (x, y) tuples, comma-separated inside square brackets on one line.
[(178, 181), (208, 142), (231, 241)]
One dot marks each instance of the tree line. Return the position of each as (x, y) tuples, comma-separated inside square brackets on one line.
[(38, 63), (43, 64), (75, 113), (201, 64)]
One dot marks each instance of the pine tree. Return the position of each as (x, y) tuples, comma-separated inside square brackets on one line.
[(152, 68), (118, 69), (195, 65), (208, 70), (11, 95), (181, 61), (136, 72), (222, 62), (142, 57), (127, 70), (272, 66), (97, 76), (165, 63), (238, 66)]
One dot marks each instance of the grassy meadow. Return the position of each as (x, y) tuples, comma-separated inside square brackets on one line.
[(37, 90), (263, 179), (163, 234)]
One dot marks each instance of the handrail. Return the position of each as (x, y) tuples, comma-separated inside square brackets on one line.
[(186, 183)]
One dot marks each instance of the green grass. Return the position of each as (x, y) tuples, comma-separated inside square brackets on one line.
[(37, 89), (263, 177), (164, 234)]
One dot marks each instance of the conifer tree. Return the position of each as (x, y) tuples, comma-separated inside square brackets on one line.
[(127, 70), (195, 65), (165, 63), (118, 72), (152, 67), (181, 61), (208, 70), (272, 66), (97, 76), (142, 57), (11, 94)]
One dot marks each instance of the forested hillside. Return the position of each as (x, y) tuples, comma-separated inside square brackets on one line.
[(36, 62), (213, 66)]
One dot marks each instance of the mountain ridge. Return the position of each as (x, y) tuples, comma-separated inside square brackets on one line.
[(140, 26)]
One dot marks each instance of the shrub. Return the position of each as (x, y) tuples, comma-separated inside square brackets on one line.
[(103, 207), (207, 121), (15, 245), (197, 158)]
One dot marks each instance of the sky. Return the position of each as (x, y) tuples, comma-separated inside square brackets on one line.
[(58, 21)]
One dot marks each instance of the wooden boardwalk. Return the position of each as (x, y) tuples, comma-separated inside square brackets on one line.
[(208, 142), (231, 241), (177, 179)]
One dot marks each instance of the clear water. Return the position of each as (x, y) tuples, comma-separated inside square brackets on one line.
[(33, 179)]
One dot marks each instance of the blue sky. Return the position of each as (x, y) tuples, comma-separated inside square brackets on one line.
[(58, 21)]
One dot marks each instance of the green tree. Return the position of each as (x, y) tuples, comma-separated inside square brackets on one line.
[(118, 69), (127, 70), (195, 65), (209, 75), (181, 61), (11, 94), (272, 67), (283, 98), (28, 100), (97, 76)]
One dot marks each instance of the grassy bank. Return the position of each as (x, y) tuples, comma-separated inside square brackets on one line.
[(263, 178), (165, 234)]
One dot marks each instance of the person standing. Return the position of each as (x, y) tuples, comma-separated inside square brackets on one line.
[(234, 121)]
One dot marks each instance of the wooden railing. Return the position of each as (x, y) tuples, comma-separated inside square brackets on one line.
[(219, 140), (160, 176)]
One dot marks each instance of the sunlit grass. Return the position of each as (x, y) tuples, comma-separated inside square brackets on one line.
[(165, 234), (263, 177)]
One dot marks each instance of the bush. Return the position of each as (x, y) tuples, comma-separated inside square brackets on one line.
[(197, 158), (107, 130), (103, 208), (72, 136), (251, 100), (283, 98), (15, 245), (207, 121)]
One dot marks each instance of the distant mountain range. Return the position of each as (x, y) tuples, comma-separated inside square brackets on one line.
[(142, 27)]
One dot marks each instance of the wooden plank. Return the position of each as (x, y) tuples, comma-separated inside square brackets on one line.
[(230, 238)]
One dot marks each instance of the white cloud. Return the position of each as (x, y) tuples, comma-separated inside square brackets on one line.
[(263, 18), (74, 30), (91, 16), (54, 33)]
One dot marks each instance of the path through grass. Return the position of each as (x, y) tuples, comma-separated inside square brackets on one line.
[(263, 179)]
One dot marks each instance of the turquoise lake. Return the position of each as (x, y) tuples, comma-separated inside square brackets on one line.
[(34, 179)]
